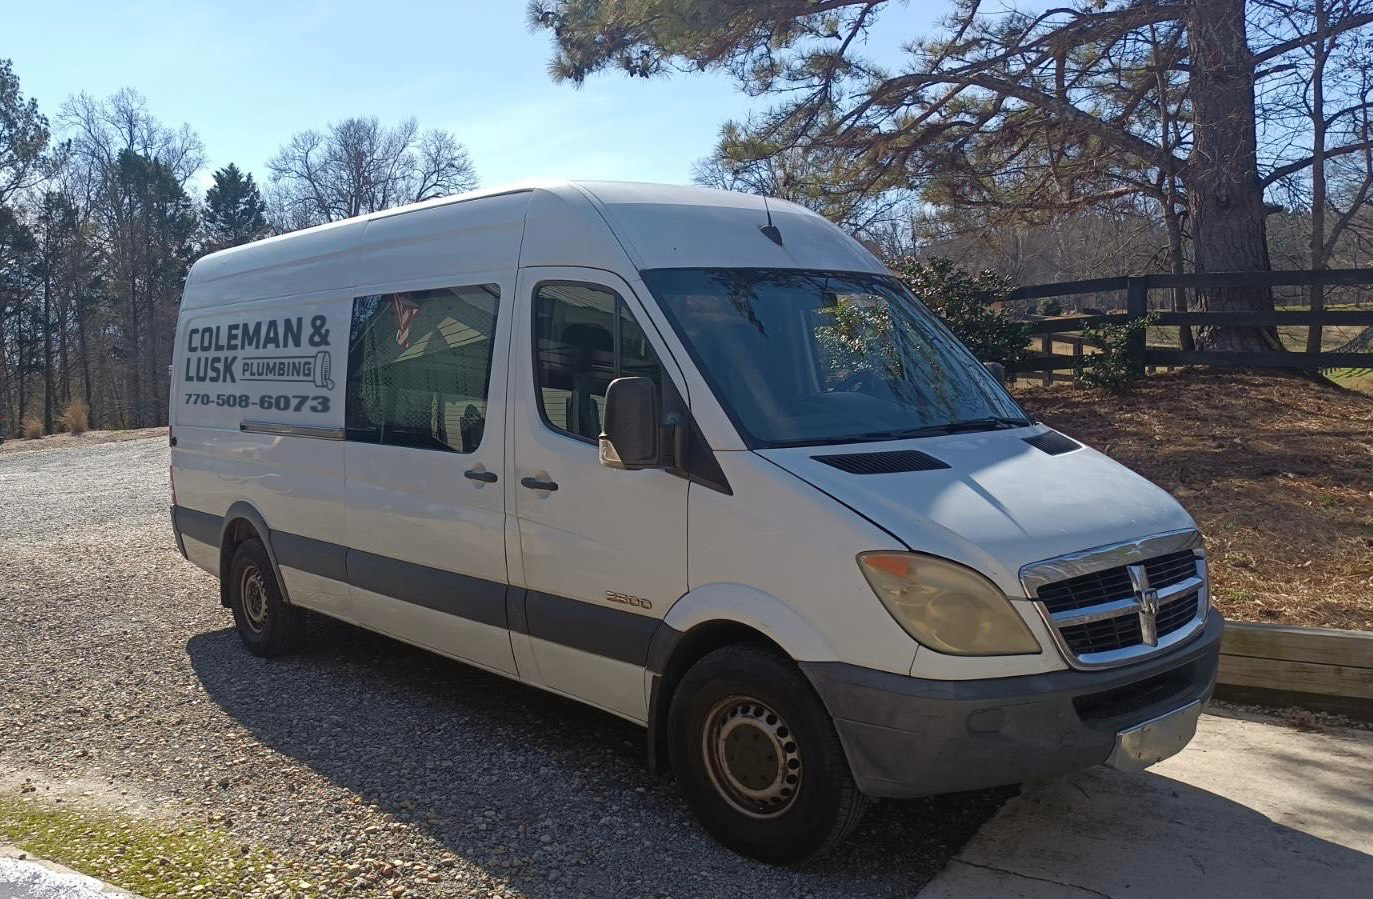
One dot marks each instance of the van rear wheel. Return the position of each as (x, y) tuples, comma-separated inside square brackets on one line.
[(266, 624), (758, 757)]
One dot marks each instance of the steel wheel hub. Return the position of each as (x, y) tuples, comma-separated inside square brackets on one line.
[(253, 592), (752, 757)]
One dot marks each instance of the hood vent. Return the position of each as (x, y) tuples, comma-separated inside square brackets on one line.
[(882, 463), (1053, 443)]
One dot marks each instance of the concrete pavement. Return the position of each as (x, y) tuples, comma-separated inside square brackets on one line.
[(24, 877), (1253, 808)]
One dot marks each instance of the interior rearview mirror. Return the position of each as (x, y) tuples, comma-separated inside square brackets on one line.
[(630, 433)]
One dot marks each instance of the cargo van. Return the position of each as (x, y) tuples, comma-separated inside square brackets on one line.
[(697, 459)]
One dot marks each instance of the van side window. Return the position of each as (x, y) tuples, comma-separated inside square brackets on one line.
[(419, 365), (577, 330)]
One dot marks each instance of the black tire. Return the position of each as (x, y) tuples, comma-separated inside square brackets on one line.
[(266, 623), (763, 721)]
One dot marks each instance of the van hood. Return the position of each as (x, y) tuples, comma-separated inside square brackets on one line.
[(1000, 504)]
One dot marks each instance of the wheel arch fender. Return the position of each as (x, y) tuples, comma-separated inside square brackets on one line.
[(242, 517), (706, 619), (769, 615)]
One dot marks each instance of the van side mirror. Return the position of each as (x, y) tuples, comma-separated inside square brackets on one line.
[(630, 432)]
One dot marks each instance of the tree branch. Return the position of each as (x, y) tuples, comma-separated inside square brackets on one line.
[(1292, 168), (1303, 40)]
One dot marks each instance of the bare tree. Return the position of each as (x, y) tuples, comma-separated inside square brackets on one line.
[(358, 166), (1316, 116), (134, 171)]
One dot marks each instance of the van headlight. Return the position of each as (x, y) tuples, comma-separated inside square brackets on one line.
[(945, 606)]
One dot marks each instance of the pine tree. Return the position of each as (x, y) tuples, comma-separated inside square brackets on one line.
[(234, 210)]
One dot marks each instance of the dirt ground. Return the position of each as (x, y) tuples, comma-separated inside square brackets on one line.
[(73, 441), (1276, 469)]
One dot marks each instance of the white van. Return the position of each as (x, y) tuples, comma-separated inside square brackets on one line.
[(695, 458)]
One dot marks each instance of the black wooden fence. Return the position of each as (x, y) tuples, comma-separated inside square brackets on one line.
[(1142, 355)]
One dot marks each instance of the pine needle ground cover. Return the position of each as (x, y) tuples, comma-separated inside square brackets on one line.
[(1276, 469)]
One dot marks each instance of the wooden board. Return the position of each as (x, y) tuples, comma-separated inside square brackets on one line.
[(1347, 276), (1359, 317), (1300, 677), (1298, 644), (1259, 359)]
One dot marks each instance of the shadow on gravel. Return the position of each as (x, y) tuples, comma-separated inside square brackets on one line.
[(441, 746)]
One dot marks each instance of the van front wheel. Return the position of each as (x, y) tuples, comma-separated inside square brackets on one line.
[(267, 625), (758, 758)]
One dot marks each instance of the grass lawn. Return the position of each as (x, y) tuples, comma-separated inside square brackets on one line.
[(151, 859)]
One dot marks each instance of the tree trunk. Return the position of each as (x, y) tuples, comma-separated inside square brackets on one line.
[(1169, 189), (1224, 192), (156, 371), (4, 375), (21, 369), (63, 343), (1178, 265), (1318, 191), (47, 346), (133, 412), (84, 351)]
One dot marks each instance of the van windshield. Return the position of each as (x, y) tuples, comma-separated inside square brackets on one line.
[(808, 357)]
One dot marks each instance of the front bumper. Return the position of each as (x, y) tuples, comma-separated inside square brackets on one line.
[(906, 737)]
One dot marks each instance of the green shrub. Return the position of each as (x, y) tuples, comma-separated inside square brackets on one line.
[(1049, 306), (1110, 367), (967, 304)]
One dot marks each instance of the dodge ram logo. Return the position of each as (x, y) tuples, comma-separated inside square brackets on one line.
[(1147, 598)]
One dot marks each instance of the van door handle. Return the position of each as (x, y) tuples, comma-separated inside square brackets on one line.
[(536, 484), (486, 477)]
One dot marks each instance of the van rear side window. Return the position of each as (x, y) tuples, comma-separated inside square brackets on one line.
[(419, 365)]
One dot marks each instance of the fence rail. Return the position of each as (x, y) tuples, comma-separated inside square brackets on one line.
[(1313, 667), (1062, 330)]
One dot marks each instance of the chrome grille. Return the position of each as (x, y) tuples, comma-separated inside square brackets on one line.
[(1123, 630), (1114, 604), (1177, 613), (1098, 587)]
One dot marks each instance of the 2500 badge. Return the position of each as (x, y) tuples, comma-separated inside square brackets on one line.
[(266, 402)]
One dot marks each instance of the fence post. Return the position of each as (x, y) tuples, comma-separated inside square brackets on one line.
[(1136, 306), (1046, 346)]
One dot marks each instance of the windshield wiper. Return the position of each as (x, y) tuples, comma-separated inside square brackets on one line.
[(952, 427), (874, 436), (992, 423)]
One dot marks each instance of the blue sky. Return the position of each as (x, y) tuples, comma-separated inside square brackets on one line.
[(247, 75)]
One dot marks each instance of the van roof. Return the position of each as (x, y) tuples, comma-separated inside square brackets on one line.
[(604, 224)]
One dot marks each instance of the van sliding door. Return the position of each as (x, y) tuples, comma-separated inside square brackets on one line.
[(425, 450)]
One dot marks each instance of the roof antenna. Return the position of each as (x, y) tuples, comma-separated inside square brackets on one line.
[(770, 230)]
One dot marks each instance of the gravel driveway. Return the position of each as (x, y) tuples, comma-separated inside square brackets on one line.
[(361, 762)]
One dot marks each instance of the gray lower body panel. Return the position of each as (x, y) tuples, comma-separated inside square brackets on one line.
[(906, 737), (609, 632)]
